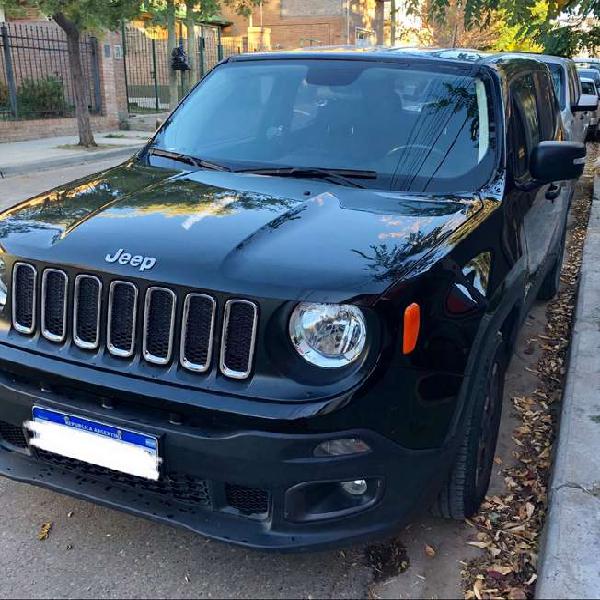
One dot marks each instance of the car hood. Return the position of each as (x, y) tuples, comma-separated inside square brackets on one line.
[(242, 234)]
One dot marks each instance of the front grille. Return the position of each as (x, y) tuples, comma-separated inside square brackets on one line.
[(182, 488), (186, 489), (122, 311), (162, 336), (198, 332), (86, 319), (239, 334), (23, 301), (159, 318), (54, 305), (12, 435), (249, 501)]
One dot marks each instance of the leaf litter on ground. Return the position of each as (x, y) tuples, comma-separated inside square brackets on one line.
[(509, 526)]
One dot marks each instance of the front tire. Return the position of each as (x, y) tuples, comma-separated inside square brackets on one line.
[(469, 479)]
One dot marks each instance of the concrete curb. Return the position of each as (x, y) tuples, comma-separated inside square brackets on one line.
[(570, 552), (83, 158)]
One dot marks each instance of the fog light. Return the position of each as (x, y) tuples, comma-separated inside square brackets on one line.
[(341, 447), (358, 487)]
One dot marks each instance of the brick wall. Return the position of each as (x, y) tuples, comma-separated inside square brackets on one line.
[(112, 90), (294, 23), (31, 129)]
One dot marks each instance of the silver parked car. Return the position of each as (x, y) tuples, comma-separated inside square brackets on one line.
[(590, 89), (575, 109)]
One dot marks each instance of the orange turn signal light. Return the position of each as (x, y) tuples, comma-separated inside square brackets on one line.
[(412, 325)]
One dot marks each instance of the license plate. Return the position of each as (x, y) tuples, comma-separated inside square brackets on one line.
[(94, 442)]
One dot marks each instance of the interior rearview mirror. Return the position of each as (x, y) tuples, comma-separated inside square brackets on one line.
[(587, 102), (557, 161)]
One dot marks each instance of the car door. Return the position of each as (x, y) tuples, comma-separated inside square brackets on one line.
[(536, 203)]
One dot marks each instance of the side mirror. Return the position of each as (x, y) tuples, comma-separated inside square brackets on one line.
[(587, 102), (159, 123), (557, 161)]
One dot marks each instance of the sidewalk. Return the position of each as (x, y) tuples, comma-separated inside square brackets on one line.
[(570, 555), (49, 153)]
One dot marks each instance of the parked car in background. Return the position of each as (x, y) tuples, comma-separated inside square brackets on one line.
[(285, 322), (587, 63), (592, 74), (589, 89), (575, 113)]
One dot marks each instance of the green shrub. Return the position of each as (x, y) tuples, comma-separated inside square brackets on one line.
[(39, 98), (4, 100)]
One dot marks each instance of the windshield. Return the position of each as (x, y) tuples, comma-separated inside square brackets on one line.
[(411, 129), (587, 87), (558, 79)]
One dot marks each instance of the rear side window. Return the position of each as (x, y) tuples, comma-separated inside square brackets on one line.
[(548, 110), (558, 80), (524, 130), (574, 85)]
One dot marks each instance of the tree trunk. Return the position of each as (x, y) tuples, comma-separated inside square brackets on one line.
[(82, 113), (191, 40), (171, 43)]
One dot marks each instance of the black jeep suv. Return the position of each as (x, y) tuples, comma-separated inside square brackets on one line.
[(285, 322)]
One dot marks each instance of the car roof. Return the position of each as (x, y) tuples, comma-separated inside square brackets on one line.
[(586, 79), (460, 56)]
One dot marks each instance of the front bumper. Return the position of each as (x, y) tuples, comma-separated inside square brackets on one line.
[(228, 485)]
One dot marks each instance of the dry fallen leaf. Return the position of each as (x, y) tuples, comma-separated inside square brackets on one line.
[(429, 551), (44, 532)]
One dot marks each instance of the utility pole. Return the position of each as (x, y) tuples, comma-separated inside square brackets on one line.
[(393, 11), (171, 43), (348, 9)]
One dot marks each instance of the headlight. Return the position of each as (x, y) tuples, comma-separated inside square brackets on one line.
[(328, 335), (3, 285)]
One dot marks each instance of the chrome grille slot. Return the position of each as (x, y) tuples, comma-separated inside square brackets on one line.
[(86, 317), (159, 322), (122, 310), (197, 332), (239, 338), (54, 305), (24, 284)]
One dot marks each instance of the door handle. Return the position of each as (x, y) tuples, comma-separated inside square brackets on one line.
[(553, 191)]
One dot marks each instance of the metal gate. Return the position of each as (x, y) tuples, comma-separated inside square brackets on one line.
[(146, 71), (147, 64), (35, 76)]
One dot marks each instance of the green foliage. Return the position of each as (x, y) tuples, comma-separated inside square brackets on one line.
[(4, 99), (41, 98), (86, 15), (243, 7), (534, 21)]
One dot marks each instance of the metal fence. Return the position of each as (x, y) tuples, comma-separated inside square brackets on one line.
[(35, 77), (147, 64)]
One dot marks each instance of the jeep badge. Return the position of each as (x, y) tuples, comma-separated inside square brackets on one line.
[(144, 263)]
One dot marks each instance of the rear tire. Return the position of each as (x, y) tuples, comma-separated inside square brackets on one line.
[(469, 479)]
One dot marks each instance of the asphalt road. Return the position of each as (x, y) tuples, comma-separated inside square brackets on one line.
[(95, 552)]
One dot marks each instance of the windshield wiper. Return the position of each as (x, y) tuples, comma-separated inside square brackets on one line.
[(339, 176), (189, 160)]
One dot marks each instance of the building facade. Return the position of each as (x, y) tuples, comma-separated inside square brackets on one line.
[(289, 24)]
